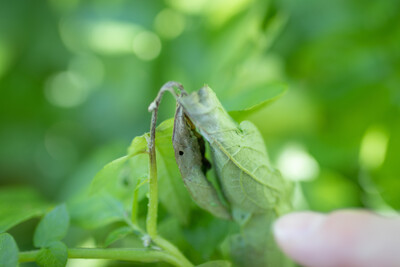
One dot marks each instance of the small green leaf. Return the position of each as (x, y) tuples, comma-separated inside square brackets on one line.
[(8, 251), (247, 102), (117, 234), (215, 264), (53, 227), (18, 204), (106, 178), (138, 145), (96, 211), (54, 256)]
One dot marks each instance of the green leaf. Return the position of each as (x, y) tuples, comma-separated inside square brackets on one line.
[(245, 103), (173, 194), (18, 204), (247, 178), (96, 211), (189, 154), (53, 227), (206, 233), (117, 234), (255, 244), (138, 145), (54, 256), (106, 178), (215, 264), (8, 251), (117, 177)]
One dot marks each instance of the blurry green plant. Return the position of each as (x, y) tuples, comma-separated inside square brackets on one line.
[(239, 186)]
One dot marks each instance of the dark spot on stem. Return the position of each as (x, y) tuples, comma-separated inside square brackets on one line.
[(180, 153)]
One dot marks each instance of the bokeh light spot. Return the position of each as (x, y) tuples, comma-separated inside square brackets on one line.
[(112, 37), (89, 69), (169, 23), (373, 147), (297, 164), (65, 90), (147, 46)]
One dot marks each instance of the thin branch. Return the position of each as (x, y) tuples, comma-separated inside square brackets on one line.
[(124, 254), (151, 220)]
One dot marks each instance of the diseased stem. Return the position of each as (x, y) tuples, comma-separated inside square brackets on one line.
[(151, 220), (124, 254)]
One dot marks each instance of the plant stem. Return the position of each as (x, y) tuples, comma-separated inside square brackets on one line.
[(124, 254), (151, 220)]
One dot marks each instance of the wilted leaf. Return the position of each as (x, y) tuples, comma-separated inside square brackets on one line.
[(54, 256), (173, 194), (53, 227), (18, 204), (8, 251), (248, 180), (189, 154)]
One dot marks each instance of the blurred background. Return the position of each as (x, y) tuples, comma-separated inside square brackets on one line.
[(76, 78)]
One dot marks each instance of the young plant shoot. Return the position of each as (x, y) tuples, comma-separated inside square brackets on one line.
[(203, 152)]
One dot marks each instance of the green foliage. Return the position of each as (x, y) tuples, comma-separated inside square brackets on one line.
[(105, 180), (53, 227), (117, 234), (72, 97), (55, 255), (215, 264), (92, 212), (8, 251), (242, 105), (18, 204)]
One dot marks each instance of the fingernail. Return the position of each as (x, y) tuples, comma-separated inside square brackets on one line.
[(297, 226)]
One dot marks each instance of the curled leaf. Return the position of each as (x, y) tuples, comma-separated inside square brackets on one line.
[(189, 154), (248, 180)]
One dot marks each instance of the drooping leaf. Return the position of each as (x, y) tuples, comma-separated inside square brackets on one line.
[(172, 192), (248, 180), (8, 251), (18, 204), (56, 255), (53, 227), (96, 211), (245, 103), (117, 234), (215, 264), (189, 154)]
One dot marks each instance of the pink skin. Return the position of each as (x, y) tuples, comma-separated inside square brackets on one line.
[(343, 238)]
